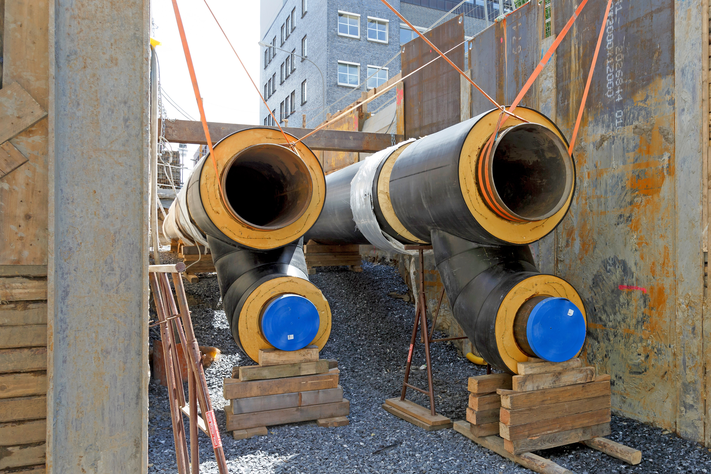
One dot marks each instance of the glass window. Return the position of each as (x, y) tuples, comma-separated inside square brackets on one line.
[(293, 23), (304, 48), (378, 30), (281, 111), (287, 67), (377, 76), (293, 62), (273, 47), (273, 83), (266, 58), (293, 101), (266, 91), (348, 74), (282, 35), (288, 27), (272, 117), (303, 92), (287, 107), (281, 74), (304, 7), (349, 24), (406, 35)]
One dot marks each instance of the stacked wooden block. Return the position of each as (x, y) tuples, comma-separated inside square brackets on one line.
[(286, 387), (553, 405), (318, 255), (485, 403)]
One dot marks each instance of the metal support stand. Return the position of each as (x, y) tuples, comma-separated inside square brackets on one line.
[(401, 407)]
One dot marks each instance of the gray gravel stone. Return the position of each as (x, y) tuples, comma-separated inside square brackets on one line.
[(370, 336)]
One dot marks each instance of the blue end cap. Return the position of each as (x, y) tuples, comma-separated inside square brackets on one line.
[(290, 322), (556, 330)]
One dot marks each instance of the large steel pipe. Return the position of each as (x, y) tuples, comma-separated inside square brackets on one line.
[(479, 196), (251, 205)]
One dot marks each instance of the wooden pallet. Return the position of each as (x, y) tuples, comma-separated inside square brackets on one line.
[(287, 387), (547, 405), (318, 255)]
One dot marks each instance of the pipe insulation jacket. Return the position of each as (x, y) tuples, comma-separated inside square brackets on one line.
[(252, 208), (479, 211)]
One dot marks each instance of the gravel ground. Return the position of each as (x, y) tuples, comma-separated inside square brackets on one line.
[(371, 332)]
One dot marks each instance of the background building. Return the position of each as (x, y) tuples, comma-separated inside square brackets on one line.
[(319, 56)]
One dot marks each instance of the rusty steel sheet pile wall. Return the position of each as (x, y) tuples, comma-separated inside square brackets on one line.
[(632, 242), (432, 94)]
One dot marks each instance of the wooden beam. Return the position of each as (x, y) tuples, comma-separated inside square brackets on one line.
[(185, 131)]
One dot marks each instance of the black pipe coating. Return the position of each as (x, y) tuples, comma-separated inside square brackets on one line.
[(477, 279), (240, 270)]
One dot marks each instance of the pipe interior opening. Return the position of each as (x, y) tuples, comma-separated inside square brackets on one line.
[(532, 171), (267, 186)]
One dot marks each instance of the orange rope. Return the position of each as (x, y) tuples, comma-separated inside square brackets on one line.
[(196, 89), (378, 94), (286, 137), (590, 76), (450, 62)]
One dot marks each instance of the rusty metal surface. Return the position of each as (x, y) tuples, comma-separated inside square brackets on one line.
[(631, 243), (339, 137), (432, 95)]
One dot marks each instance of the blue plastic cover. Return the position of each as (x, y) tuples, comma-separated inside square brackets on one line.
[(290, 322), (556, 330)]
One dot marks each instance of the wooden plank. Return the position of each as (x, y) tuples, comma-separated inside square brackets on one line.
[(538, 366), (488, 429), (250, 433), (24, 408), (23, 385), (483, 384), (264, 403), (23, 193), (616, 450), (20, 456), (41, 469), (316, 249), (286, 415), (23, 270), (421, 413), (484, 402), (18, 111), (518, 400), (23, 432), (23, 312), (482, 417), (333, 422), (412, 420), (23, 336), (257, 372), (496, 444), (555, 425), (10, 159), (269, 357), (528, 383), (23, 360), (316, 397), (233, 388), (200, 421), (554, 440), (22, 289), (185, 131), (555, 410)]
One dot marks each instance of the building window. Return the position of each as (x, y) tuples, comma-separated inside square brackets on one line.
[(407, 35), (281, 111), (348, 73), (273, 48), (287, 106), (281, 74), (266, 93), (377, 30), (293, 101), (303, 92), (273, 84), (288, 27), (377, 76), (293, 23), (304, 7), (349, 24), (272, 117), (266, 120), (304, 49), (293, 62), (266, 58), (287, 66)]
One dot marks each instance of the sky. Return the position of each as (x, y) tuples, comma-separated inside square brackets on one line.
[(227, 92)]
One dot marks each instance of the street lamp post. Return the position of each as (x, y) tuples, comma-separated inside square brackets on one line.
[(323, 81)]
